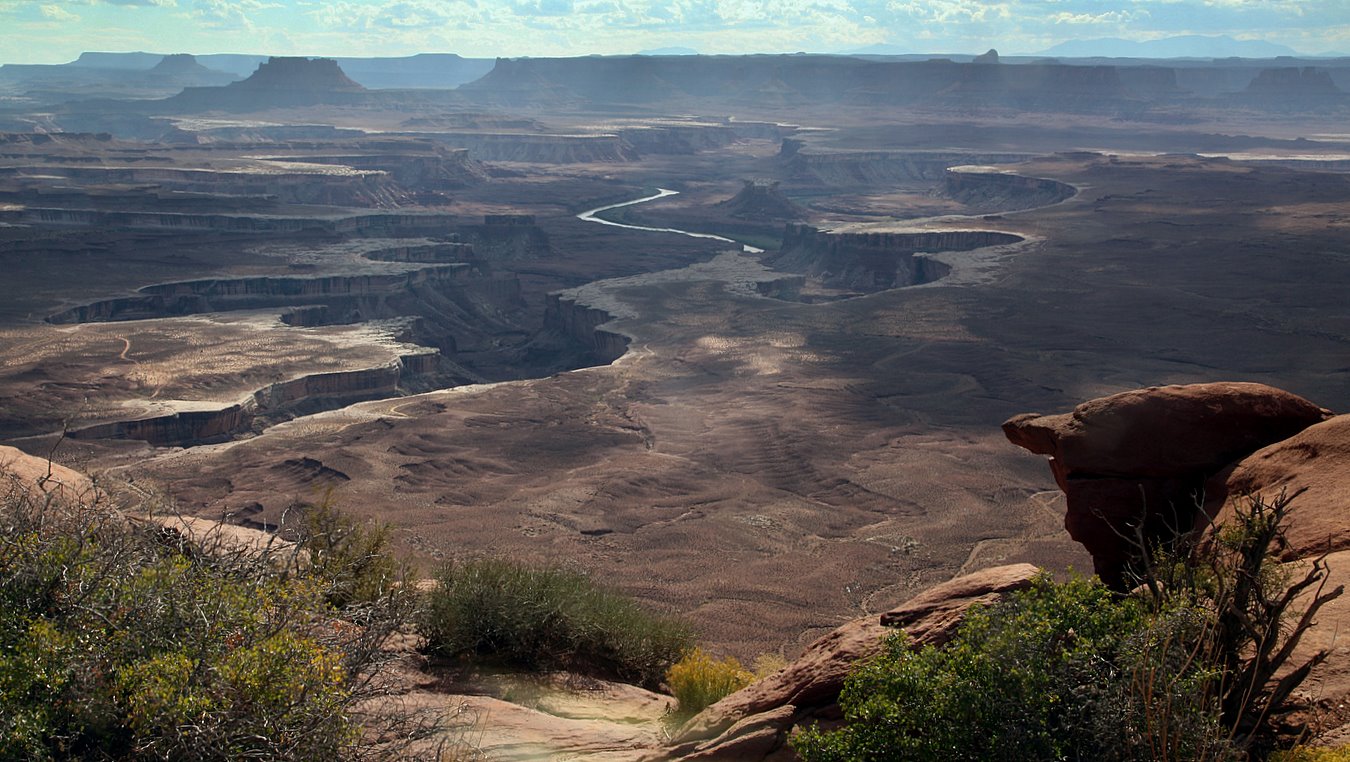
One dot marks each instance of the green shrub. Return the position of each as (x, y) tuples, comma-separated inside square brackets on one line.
[(116, 642), (543, 617), (698, 680), (1006, 688), (353, 559), (1192, 666)]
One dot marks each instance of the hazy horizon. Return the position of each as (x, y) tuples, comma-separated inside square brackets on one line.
[(50, 32)]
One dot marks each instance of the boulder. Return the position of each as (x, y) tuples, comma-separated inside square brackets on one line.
[(1312, 467), (40, 478), (753, 723), (1134, 466)]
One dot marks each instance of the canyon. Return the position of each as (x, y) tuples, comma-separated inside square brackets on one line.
[(766, 394)]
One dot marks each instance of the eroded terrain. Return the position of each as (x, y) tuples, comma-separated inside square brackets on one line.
[(770, 435)]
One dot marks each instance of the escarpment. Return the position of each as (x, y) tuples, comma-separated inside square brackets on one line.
[(877, 261), (866, 168), (365, 294), (271, 404), (540, 148), (581, 323), (406, 224), (989, 189)]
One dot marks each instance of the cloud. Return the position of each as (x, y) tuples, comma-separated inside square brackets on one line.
[(57, 13), (1109, 17), (226, 14)]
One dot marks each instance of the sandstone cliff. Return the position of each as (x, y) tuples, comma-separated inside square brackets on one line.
[(868, 262)]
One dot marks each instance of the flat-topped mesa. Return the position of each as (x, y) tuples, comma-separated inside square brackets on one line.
[(301, 74), (278, 83), (179, 64), (1293, 80), (1133, 466), (868, 261)]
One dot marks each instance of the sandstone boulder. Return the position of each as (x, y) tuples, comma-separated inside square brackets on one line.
[(39, 477), (753, 723), (1134, 466), (1312, 467)]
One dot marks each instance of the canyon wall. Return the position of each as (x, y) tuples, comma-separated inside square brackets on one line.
[(369, 224), (987, 189), (868, 262), (271, 404), (581, 323), (861, 168), (542, 149), (225, 294)]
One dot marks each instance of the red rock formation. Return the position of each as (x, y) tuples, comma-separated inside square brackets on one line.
[(1136, 463), (39, 477), (753, 723), (1313, 466)]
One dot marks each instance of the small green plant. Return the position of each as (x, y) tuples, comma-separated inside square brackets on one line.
[(548, 618), (698, 680)]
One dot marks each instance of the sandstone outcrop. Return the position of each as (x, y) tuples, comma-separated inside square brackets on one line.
[(1313, 467), (1134, 465), (39, 477), (753, 723)]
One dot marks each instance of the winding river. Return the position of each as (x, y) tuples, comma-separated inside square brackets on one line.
[(590, 216)]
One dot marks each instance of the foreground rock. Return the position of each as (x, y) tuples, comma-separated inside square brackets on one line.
[(1151, 458), (754, 722), (39, 477), (1313, 467), (1134, 465)]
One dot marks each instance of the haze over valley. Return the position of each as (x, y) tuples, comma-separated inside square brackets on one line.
[(733, 333)]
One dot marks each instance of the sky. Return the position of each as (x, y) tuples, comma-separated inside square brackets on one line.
[(55, 31)]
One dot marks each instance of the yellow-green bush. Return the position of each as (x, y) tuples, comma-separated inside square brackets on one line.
[(698, 680), (117, 643)]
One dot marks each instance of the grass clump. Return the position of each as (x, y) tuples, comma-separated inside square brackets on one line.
[(698, 680), (541, 617)]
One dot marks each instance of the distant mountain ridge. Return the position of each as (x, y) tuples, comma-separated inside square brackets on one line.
[(1185, 46)]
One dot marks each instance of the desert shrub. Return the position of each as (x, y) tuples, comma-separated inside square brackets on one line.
[(545, 618), (354, 559), (1008, 687), (118, 643), (1193, 665), (698, 680)]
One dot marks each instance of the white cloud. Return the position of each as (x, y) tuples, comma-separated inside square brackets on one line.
[(57, 13)]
